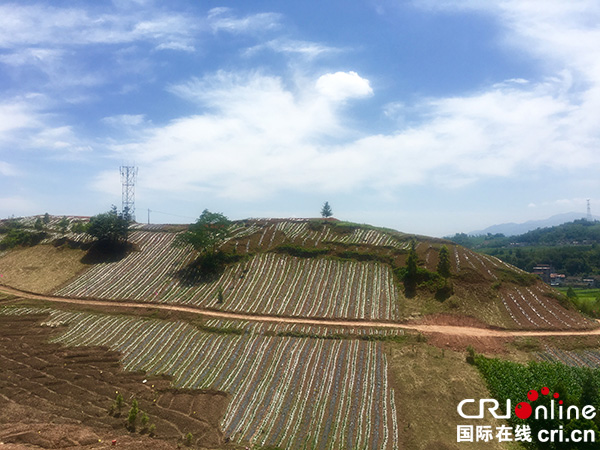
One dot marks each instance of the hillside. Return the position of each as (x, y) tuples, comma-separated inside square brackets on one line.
[(571, 248), (513, 229), (297, 268), (308, 338)]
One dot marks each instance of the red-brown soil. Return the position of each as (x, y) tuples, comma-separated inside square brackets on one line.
[(58, 397)]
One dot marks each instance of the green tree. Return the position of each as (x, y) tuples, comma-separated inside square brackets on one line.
[(38, 225), (144, 420), (109, 227), (63, 225), (133, 413), (411, 272), (79, 227), (443, 267), (571, 293), (46, 219), (209, 231), (119, 402), (326, 211)]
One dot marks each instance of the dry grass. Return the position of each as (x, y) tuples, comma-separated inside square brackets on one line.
[(429, 383), (42, 268)]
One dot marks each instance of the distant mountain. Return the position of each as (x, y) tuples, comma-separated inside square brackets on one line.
[(512, 229)]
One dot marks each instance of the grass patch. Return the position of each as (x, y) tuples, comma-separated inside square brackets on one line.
[(586, 301), (527, 344), (301, 252), (518, 278)]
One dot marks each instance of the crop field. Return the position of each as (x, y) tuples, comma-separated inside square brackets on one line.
[(269, 233), (290, 392), (530, 307), (267, 283), (581, 358)]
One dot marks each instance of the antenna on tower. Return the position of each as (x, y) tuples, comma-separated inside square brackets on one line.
[(589, 211), (128, 176)]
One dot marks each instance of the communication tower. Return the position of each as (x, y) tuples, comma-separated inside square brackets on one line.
[(589, 211), (128, 176)]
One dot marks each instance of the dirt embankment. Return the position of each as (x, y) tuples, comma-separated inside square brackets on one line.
[(468, 329)]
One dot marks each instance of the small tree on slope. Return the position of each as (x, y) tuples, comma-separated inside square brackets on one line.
[(326, 211)]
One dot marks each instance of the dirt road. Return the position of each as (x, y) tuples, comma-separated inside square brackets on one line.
[(427, 329)]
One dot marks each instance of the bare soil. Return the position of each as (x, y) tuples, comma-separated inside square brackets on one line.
[(461, 327), (60, 397), (41, 268), (429, 383)]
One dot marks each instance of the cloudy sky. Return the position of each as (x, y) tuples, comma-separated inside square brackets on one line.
[(427, 116)]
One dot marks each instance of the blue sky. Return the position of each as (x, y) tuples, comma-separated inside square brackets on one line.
[(427, 116)]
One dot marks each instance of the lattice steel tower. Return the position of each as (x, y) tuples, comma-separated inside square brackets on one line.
[(128, 176), (589, 211)]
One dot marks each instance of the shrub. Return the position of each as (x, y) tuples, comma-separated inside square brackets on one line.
[(301, 252), (16, 237), (144, 420), (470, 355), (118, 404), (133, 413)]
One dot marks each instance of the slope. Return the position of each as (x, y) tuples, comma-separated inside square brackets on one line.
[(318, 269)]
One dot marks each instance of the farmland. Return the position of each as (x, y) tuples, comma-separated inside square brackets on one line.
[(286, 384), (268, 283), (274, 377)]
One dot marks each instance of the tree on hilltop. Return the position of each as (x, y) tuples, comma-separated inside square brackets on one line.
[(109, 227), (205, 236), (443, 267), (209, 231), (326, 211)]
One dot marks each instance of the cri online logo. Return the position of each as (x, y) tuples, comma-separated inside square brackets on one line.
[(524, 410)]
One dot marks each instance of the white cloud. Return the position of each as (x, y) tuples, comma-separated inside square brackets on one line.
[(125, 120), (222, 19), (16, 115), (343, 85), (303, 49), (35, 25), (8, 170)]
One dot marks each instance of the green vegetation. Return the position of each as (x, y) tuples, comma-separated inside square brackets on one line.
[(443, 267), (63, 225), (133, 413), (79, 227), (575, 385), (572, 248), (413, 277), (585, 300), (19, 237), (326, 211), (188, 439), (301, 252), (207, 234), (119, 402), (144, 420), (109, 228)]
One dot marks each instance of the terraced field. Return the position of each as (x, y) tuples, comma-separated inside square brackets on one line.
[(54, 396), (268, 283), (296, 393)]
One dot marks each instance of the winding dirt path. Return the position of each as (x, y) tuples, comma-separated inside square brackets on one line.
[(449, 330)]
